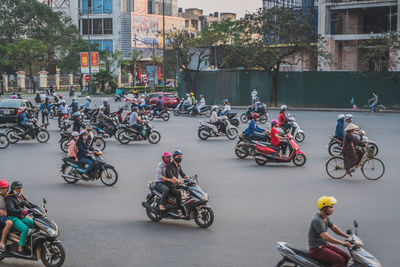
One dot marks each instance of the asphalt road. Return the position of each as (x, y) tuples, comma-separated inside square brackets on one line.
[(254, 206)]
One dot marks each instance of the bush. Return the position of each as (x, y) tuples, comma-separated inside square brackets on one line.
[(141, 89)]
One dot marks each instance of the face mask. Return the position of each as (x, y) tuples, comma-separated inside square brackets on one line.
[(167, 160), (76, 138), (179, 160), (84, 137)]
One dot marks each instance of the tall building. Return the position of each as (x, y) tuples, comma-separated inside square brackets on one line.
[(195, 19)]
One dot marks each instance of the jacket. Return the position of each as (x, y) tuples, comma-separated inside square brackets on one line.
[(174, 170), (253, 128), (83, 148), (15, 205), (350, 154), (74, 106), (339, 132), (23, 119), (102, 117), (282, 117)]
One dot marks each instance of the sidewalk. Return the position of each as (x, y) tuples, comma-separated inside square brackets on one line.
[(343, 110)]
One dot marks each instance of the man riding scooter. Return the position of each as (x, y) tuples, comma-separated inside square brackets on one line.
[(159, 106), (162, 180), (253, 131), (276, 139)]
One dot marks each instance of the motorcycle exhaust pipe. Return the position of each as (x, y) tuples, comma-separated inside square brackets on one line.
[(261, 158), (70, 176), (128, 137), (15, 136)]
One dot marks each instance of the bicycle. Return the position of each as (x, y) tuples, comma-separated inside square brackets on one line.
[(372, 168), (378, 108)]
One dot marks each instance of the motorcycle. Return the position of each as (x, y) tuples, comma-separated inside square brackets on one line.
[(296, 131), (95, 142), (231, 117), (4, 143), (194, 204), (117, 98), (206, 111), (335, 145), (246, 146), (65, 123), (301, 257), (112, 129), (247, 115), (164, 114), (270, 153), (17, 133), (42, 242), (128, 134), (207, 129), (72, 171)]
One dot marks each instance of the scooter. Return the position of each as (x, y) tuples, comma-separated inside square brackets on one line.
[(163, 114), (178, 110), (301, 257), (42, 242), (207, 129), (232, 118), (17, 133), (296, 131), (246, 146), (127, 134), (270, 153), (206, 111), (72, 171), (247, 115), (95, 142), (117, 98), (335, 145), (4, 143), (194, 204)]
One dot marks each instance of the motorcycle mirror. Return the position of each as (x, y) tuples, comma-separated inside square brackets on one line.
[(349, 232), (44, 201), (355, 224)]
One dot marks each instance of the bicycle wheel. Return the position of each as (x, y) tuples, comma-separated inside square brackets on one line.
[(380, 108), (335, 168), (373, 169)]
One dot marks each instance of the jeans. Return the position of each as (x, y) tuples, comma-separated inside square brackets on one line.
[(89, 163), (22, 226), (138, 127), (331, 255), (173, 191), (373, 105), (164, 190), (45, 118), (258, 136), (185, 106)]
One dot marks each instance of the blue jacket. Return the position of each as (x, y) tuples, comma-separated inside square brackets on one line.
[(43, 105), (83, 148), (339, 132), (253, 128), (23, 119)]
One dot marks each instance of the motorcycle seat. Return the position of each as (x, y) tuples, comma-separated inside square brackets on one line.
[(305, 253)]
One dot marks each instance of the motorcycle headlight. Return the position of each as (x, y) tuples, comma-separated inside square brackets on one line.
[(206, 197)]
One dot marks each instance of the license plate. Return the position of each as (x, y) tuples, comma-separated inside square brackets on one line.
[(7, 112), (66, 121)]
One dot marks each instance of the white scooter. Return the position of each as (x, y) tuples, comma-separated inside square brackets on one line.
[(207, 129), (295, 131)]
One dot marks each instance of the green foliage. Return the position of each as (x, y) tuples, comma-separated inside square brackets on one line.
[(71, 61)]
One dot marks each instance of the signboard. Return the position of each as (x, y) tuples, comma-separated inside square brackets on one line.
[(95, 62), (87, 77), (84, 62), (144, 30), (145, 80)]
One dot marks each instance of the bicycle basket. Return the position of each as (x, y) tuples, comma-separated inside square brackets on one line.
[(370, 152)]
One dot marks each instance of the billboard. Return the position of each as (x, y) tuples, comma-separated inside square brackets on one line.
[(144, 30), (84, 62)]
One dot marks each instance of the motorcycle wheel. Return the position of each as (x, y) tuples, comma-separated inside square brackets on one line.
[(56, 257), (99, 143), (263, 119), (69, 170), (202, 135), (51, 115), (232, 133), (191, 113), (243, 118), (207, 113), (335, 168), (260, 162), (286, 263), (43, 136), (299, 160), (176, 112), (300, 137), (375, 147), (4, 143), (109, 176), (335, 149), (154, 137), (204, 217), (150, 116), (240, 151), (10, 137), (165, 116), (154, 217), (64, 145), (122, 138)]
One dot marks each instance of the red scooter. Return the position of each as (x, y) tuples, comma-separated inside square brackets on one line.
[(270, 153)]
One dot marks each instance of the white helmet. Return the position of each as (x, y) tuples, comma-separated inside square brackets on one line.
[(54, 94), (74, 134), (63, 101), (283, 107), (74, 98), (187, 95), (101, 107), (341, 117), (105, 100), (214, 107), (88, 97), (349, 116)]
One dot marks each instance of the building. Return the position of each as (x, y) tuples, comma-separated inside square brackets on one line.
[(346, 23), (195, 19)]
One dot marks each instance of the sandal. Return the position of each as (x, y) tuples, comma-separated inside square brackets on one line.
[(2, 247), (162, 208)]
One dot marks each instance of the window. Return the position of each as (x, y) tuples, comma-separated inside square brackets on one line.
[(186, 24), (108, 45), (150, 7), (107, 26), (86, 27), (97, 6), (97, 26), (108, 6), (130, 5)]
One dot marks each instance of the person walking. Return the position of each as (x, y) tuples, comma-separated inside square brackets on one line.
[(254, 94), (44, 109)]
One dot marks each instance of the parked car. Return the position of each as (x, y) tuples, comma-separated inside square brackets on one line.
[(170, 100), (9, 107)]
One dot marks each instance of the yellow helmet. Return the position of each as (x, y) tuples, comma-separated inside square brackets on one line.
[(326, 201), (192, 94)]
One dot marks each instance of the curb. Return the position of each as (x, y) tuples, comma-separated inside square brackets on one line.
[(344, 110)]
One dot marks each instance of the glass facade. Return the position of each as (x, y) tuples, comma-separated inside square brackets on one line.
[(106, 45), (156, 7), (97, 26), (97, 6)]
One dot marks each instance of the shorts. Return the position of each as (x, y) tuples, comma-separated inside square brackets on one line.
[(3, 220)]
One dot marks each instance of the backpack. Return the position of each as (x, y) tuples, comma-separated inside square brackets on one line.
[(45, 109)]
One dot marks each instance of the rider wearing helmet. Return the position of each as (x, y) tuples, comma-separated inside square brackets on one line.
[(339, 132), (62, 111), (83, 150), (159, 106), (351, 152), (87, 103), (276, 139), (74, 105), (253, 131), (201, 104), (217, 121), (161, 178), (102, 119), (187, 103), (17, 206), (5, 222), (107, 106), (77, 124), (26, 123), (257, 105), (318, 236), (193, 98), (349, 118), (227, 107), (283, 119), (72, 146), (173, 171), (135, 121)]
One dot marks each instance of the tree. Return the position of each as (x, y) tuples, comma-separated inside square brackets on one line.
[(108, 65), (132, 62), (265, 39)]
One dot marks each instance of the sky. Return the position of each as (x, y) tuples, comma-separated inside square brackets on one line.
[(210, 6)]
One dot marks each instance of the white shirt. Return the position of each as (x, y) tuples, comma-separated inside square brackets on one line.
[(202, 103), (188, 100), (143, 101), (43, 97), (254, 94), (227, 108), (63, 109), (214, 116)]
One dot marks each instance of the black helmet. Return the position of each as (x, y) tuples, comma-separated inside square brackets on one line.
[(15, 185), (177, 152)]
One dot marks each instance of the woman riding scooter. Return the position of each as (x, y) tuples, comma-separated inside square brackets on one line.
[(276, 139)]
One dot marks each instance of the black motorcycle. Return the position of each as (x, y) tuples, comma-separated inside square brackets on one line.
[(17, 133), (231, 118), (127, 134), (247, 115), (246, 146), (4, 143), (72, 171), (108, 130), (95, 142), (163, 114), (42, 242), (194, 204), (206, 111)]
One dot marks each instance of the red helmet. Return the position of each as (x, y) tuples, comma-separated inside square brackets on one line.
[(255, 115), (4, 184)]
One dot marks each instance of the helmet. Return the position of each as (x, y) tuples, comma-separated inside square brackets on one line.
[(255, 115), (15, 185), (349, 117), (350, 127), (187, 95), (4, 184), (177, 153), (341, 117), (226, 100), (105, 100), (135, 108), (283, 107), (74, 98), (74, 134), (192, 94), (214, 107), (83, 132), (326, 201), (63, 101), (75, 114), (54, 94), (166, 156), (60, 95), (88, 97), (275, 123), (102, 107)]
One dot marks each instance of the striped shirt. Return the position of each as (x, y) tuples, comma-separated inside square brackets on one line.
[(161, 171)]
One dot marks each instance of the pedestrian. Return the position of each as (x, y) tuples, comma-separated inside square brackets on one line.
[(71, 92), (44, 109), (254, 94)]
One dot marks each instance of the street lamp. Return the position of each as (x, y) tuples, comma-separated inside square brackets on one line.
[(163, 14)]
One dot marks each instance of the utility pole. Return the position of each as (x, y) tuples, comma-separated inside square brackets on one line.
[(90, 56), (163, 65)]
